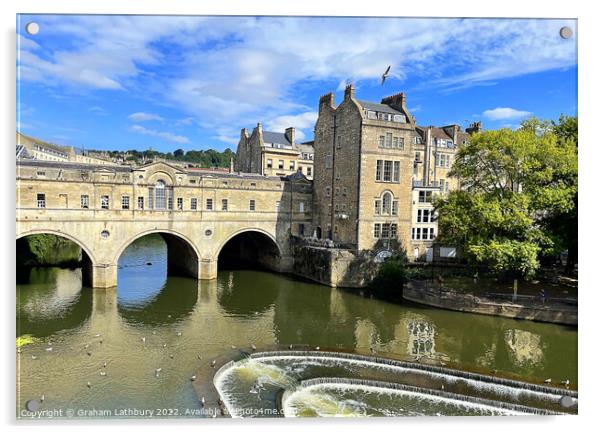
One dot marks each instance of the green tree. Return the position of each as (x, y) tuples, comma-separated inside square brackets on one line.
[(515, 183)]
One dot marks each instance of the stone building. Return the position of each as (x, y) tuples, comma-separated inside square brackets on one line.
[(377, 173), (273, 154)]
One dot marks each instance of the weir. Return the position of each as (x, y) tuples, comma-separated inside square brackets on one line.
[(286, 371)]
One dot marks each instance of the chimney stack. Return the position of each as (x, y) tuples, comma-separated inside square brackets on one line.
[(349, 91), (290, 134), (326, 101), (475, 127)]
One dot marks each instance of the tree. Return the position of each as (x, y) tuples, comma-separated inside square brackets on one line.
[(178, 153), (514, 185)]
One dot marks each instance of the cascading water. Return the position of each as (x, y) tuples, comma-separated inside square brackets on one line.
[(253, 386)]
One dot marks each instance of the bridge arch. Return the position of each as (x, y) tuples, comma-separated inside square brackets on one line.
[(250, 245), (183, 255), (88, 259)]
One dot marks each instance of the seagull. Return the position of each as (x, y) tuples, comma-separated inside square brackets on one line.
[(171, 356), (290, 347), (143, 340), (385, 75), (213, 364), (154, 332), (49, 349), (548, 380), (203, 401), (42, 398), (97, 335), (317, 348), (89, 384), (253, 347), (33, 357), (157, 372), (164, 345), (193, 378), (233, 347), (104, 365), (103, 374), (179, 334), (565, 382)]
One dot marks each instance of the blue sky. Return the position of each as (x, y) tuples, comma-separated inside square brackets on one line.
[(134, 82)]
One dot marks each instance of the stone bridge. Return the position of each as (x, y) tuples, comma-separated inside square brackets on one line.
[(200, 214)]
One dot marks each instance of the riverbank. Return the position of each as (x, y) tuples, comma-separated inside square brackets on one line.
[(532, 309)]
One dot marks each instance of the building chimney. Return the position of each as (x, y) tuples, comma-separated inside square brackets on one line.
[(244, 134), (290, 134), (397, 101), (349, 91), (326, 101), (475, 127)]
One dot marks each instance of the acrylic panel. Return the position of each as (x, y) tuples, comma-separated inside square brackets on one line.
[(295, 216)]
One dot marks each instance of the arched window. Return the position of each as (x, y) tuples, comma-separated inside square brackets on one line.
[(160, 195), (387, 199)]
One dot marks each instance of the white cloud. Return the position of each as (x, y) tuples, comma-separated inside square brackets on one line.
[(143, 117), (170, 137), (505, 113), (230, 72), (98, 110), (299, 122)]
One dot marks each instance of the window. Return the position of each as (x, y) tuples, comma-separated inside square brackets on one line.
[(376, 230), (125, 202), (337, 190), (291, 165), (425, 233), (379, 170), (381, 141), (280, 164), (269, 164), (443, 160), (344, 191), (387, 203), (327, 190), (377, 207), (301, 229), (387, 171), (252, 205), (395, 208), (193, 203), (160, 196), (277, 206), (396, 171), (104, 202), (393, 233), (84, 201), (180, 203), (371, 114), (417, 156), (309, 171), (431, 233), (41, 200), (140, 202), (192, 181), (41, 174), (425, 196), (301, 206), (209, 204), (224, 204), (385, 231), (150, 197), (388, 140), (328, 161)]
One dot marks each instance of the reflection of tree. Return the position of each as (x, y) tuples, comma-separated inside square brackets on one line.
[(525, 347), (51, 301)]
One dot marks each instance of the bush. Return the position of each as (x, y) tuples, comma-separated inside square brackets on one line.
[(391, 275)]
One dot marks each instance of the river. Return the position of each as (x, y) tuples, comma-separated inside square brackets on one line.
[(94, 350)]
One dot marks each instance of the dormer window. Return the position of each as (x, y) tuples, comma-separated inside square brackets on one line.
[(371, 114)]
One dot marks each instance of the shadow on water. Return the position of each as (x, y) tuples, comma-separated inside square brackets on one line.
[(248, 293), (50, 300)]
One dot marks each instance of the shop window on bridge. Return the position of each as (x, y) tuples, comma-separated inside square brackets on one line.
[(104, 202), (180, 203), (84, 201), (252, 205), (224, 204), (140, 202), (41, 200), (160, 196), (193, 203), (209, 204), (125, 202)]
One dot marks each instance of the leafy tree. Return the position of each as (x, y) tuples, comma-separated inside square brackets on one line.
[(516, 185), (178, 153)]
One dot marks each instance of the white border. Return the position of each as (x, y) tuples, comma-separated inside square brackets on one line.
[(590, 132)]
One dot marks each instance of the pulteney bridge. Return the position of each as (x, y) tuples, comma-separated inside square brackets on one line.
[(200, 214)]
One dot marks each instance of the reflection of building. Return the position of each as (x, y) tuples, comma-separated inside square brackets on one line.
[(421, 338), (525, 347), (273, 154)]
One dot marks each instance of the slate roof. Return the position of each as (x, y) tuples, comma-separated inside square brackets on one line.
[(272, 137), (383, 108)]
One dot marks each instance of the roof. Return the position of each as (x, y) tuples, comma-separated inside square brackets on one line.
[(382, 108), (25, 140), (305, 147), (272, 137), (21, 152)]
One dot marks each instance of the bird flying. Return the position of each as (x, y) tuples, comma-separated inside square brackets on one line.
[(385, 75)]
